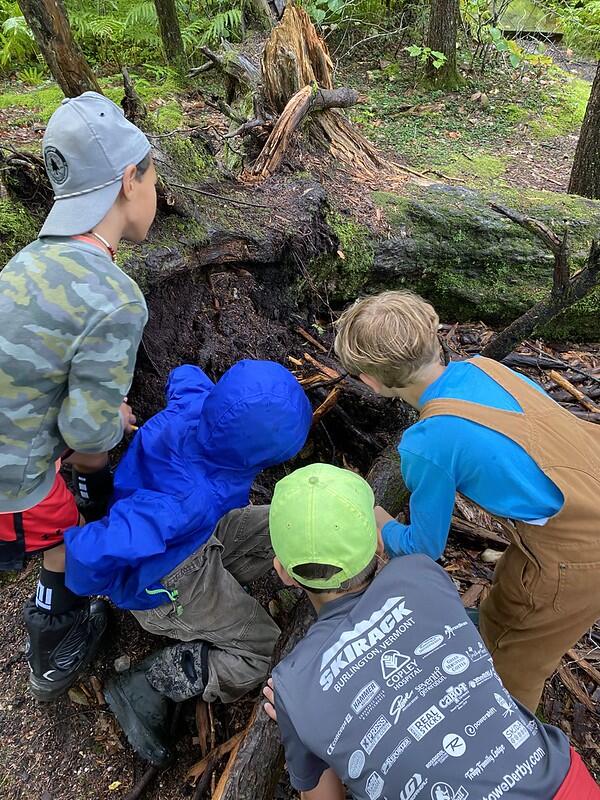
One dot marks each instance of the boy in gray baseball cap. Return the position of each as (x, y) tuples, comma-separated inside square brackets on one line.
[(71, 323)]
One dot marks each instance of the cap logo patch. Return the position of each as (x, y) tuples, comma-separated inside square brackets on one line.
[(57, 167)]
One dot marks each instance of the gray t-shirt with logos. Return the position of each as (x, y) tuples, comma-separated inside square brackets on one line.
[(393, 689)]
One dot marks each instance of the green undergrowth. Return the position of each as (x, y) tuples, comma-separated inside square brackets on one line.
[(37, 105), (469, 133), (17, 228)]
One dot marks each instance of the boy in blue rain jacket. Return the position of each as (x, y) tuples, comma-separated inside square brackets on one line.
[(180, 537)]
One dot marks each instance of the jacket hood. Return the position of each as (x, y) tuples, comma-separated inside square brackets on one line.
[(256, 416)]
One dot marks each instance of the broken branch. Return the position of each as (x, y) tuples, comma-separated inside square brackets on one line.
[(581, 398), (200, 767)]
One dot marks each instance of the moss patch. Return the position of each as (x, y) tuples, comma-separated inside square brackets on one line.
[(17, 228), (448, 244), (563, 103), (344, 273)]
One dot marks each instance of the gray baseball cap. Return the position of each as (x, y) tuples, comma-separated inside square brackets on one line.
[(87, 146)]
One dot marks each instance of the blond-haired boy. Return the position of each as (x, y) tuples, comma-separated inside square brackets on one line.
[(497, 438)]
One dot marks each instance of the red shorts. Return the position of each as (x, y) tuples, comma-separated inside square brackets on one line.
[(38, 528), (579, 784)]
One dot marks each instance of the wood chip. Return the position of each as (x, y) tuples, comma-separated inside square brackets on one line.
[(471, 596), (202, 725), (295, 361), (490, 556)]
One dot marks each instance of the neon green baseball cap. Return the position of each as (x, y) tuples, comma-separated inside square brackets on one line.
[(321, 514)]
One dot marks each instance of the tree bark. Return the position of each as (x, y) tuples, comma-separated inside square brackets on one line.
[(443, 26), (585, 175), (170, 33), (50, 26)]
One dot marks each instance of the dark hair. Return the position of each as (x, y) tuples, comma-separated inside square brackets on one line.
[(313, 572), (143, 166)]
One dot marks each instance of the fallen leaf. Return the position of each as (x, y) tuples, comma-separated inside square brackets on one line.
[(114, 785), (77, 696), (341, 255)]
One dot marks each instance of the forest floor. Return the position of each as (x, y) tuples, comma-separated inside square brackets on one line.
[(495, 131)]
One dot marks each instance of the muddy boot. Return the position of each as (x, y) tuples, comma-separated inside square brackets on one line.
[(142, 712), (60, 646)]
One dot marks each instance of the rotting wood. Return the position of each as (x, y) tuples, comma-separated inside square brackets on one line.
[(323, 368), (132, 103), (469, 528), (202, 725), (581, 398)]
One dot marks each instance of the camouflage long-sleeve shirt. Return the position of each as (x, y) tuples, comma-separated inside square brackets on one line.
[(70, 325)]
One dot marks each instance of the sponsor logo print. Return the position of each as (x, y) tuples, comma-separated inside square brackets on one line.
[(374, 785), (479, 679), (443, 791), (471, 730), (395, 755), (454, 745), (398, 669), (375, 734), (477, 769), (430, 645), (431, 682), (454, 697), (533, 727), (507, 705), (413, 787), (516, 734), (425, 723), (511, 779), (450, 630), (401, 703), (43, 597), (365, 701), (477, 653), (455, 663), (338, 736), (356, 763), (364, 636)]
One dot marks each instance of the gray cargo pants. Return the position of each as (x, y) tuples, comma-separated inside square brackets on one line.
[(217, 612)]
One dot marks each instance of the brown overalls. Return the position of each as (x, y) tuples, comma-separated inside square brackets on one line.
[(546, 590)]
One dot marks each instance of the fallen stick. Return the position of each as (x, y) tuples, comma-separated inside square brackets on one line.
[(329, 371), (309, 338), (585, 665), (471, 529), (581, 398), (201, 766), (326, 405), (141, 786)]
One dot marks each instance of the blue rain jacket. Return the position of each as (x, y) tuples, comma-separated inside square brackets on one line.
[(186, 467)]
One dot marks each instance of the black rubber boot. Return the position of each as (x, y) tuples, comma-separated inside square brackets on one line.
[(60, 646), (142, 712)]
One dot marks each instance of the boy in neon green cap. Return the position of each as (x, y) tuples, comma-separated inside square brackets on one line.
[(392, 691)]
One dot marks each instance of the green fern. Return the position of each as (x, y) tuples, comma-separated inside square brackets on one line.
[(225, 24)]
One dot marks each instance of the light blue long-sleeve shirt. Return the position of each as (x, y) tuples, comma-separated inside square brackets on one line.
[(442, 455)]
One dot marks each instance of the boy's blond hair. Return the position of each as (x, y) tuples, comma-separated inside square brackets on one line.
[(390, 337)]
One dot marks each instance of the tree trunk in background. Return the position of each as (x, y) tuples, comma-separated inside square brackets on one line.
[(50, 26), (170, 33), (443, 26), (585, 175)]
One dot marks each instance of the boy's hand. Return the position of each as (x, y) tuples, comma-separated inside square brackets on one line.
[(381, 517), (269, 706), (128, 416)]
